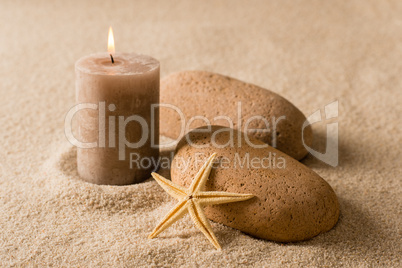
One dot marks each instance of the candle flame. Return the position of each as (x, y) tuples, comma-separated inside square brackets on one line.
[(110, 42)]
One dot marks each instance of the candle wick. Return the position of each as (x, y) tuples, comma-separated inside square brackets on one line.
[(112, 58)]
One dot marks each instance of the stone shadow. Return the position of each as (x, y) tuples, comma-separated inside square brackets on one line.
[(356, 234), (346, 156)]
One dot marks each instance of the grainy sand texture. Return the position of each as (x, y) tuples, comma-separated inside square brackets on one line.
[(310, 52)]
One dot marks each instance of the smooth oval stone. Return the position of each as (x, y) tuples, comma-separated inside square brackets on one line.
[(291, 202), (268, 116)]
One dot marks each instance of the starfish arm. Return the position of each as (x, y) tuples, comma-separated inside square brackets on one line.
[(174, 214), (214, 198), (174, 190), (202, 223), (202, 175)]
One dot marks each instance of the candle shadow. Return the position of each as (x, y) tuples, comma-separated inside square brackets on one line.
[(165, 170), (166, 152)]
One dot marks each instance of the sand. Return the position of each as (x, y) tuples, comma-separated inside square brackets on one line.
[(311, 52)]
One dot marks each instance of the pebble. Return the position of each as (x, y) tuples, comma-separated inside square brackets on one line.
[(291, 203), (208, 98)]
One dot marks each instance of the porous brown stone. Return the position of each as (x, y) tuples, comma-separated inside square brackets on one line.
[(211, 95), (291, 202)]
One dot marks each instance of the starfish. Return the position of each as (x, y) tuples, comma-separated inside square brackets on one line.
[(192, 200)]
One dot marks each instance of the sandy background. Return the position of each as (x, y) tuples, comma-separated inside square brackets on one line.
[(311, 52)]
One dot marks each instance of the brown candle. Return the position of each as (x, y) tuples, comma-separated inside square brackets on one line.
[(120, 125)]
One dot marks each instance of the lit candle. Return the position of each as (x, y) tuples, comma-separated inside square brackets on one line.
[(120, 124)]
